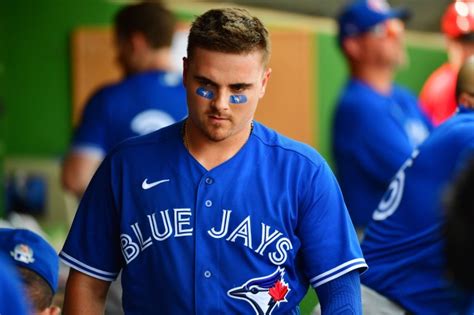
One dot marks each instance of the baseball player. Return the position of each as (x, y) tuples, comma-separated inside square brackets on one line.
[(377, 123), (404, 242), (151, 95), (216, 214), (12, 299), (38, 265), (437, 96)]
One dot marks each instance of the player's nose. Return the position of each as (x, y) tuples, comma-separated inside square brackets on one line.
[(221, 101)]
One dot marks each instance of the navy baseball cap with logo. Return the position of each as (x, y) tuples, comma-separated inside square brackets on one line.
[(361, 16), (29, 250)]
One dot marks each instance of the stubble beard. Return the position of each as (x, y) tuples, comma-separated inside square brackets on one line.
[(216, 132)]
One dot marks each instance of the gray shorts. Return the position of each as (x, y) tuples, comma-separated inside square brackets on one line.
[(373, 303)]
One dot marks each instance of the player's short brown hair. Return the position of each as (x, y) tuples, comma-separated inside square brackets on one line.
[(39, 292), (150, 18), (229, 30)]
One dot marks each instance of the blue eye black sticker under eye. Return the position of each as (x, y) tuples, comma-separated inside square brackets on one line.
[(238, 99), (233, 99), (205, 93)]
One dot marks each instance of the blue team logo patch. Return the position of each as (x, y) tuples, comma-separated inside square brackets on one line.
[(23, 253), (264, 293), (380, 6)]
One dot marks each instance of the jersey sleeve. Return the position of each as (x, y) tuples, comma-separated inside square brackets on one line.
[(92, 245), (90, 137), (437, 97), (329, 244)]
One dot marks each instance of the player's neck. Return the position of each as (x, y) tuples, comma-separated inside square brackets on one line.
[(152, 60), (160, 59), (209, 153), (379, 79)]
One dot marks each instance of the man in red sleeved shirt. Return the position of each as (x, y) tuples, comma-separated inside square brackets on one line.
[(437, 97)]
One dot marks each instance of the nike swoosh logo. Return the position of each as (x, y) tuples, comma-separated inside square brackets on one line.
[(146, 185)]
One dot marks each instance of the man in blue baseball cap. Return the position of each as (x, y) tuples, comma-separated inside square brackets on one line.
[(377, 123), (362, 16), (38, 266)]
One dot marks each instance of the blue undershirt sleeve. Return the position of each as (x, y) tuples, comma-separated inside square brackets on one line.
[(341, 295)]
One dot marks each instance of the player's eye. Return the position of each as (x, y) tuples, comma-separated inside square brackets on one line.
[(238, 88)]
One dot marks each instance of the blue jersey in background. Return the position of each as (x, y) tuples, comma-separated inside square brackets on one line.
[(373, 134), (138, 105), (403, 243)]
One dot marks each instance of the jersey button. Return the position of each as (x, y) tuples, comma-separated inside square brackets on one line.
[(208, 203), (207, 274), (209, 181)]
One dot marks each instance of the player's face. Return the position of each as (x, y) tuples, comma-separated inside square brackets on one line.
[(223, 90), (384, 44)]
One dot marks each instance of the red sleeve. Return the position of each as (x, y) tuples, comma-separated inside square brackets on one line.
[(437, 97)]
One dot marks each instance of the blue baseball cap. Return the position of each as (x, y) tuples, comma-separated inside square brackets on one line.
[(360, 16), (29, 250)]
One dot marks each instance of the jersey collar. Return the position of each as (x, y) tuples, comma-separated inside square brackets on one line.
[(463, 109)]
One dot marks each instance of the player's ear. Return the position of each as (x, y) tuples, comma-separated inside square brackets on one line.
[(351, 47), (466, 99), (138, 41), (52, 310), (266, 77)]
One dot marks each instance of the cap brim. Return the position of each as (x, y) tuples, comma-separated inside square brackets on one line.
[(403, 14)]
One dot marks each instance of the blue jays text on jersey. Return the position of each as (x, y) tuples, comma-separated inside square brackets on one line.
[(403, 243), (261, 226), (247, 233)]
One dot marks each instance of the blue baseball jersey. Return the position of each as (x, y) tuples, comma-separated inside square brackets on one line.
[(470, 308), (373, 134), (403, 243), (248, 236), (12, 295), (138, 105)]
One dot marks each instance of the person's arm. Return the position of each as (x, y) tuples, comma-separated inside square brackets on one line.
[(88, 148), (341, 295), (77, 171), (84, 294)]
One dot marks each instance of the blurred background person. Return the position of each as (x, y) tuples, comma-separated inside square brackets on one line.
[(404, 242), (377, 123), (150, 96), (37, 264), (437, 96)]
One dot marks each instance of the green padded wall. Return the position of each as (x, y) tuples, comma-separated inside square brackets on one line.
[(2, 93), (36, 77)]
